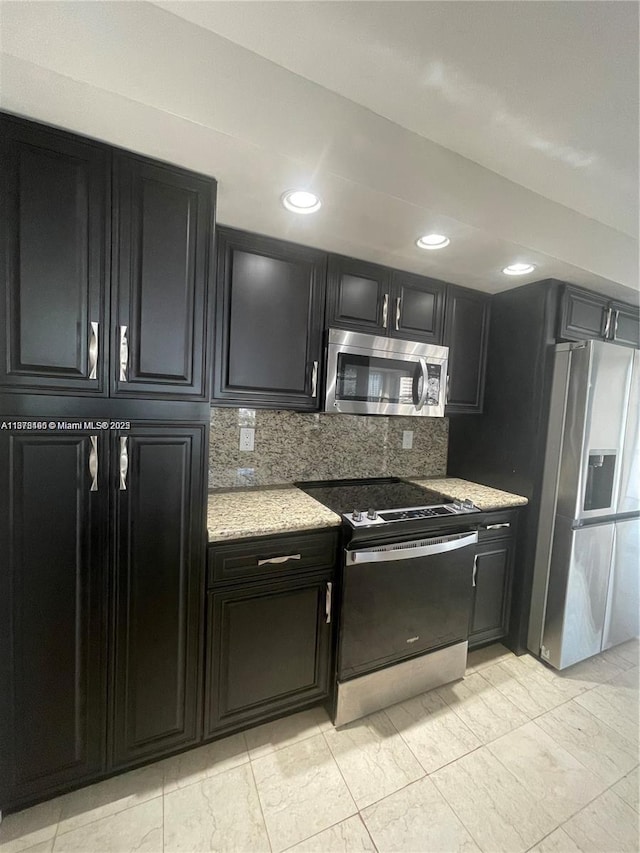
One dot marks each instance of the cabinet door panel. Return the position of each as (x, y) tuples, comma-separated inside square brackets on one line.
[(52, 594), (490, 614), (582, 315), (268, 650), (53, 191), (417, 309), (164, 219), (466, 335), (625, 324), (356, 296), (269, 322), (159, 581)]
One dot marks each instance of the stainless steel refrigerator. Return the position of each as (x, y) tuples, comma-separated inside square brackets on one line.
[(587, 566)]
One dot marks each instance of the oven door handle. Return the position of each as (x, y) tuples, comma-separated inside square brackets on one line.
[(419, 401), (411, 550)]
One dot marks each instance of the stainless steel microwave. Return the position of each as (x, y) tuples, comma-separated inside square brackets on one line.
[(370, 375)]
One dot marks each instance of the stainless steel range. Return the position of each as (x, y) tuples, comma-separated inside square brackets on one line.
[(407, 578)]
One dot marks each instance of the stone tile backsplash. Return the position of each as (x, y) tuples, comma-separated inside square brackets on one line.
[(290, 446)]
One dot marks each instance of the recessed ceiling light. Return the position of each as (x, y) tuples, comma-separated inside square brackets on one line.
[(518, 269), (433, 241), (301, 201)]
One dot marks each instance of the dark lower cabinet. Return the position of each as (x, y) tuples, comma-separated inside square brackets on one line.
[(269, 322), (101, 602), (54, 196), (466, 333), (158, 577), (53, 574), (268, 649), (492, 580)]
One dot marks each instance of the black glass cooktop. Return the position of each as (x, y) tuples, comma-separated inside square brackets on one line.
[(387, 493)]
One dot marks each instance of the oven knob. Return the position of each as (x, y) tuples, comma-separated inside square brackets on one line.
[(356, 515), (372, 515)]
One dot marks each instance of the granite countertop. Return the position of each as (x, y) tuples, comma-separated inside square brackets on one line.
[(484, 497), (239, 514)]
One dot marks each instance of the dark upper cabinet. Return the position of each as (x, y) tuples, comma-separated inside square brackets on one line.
[(358, 295), (54, 191), (158, 574), (53, 541), (101, 293), (466, 333), (585, 315), (268, 648), (417, 309), (625, 324), (161, 243), (365, 297), (269, 322)]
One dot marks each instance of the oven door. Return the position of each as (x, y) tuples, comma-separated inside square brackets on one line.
[(370, 375), (404, 599)]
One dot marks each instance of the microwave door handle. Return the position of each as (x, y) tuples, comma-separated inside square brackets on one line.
[(422, 399)]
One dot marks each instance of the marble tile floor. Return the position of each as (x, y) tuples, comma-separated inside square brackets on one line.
[(516, 757)]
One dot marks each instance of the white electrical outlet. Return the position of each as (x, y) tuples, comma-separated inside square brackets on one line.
[(407, 439), (247, 438)]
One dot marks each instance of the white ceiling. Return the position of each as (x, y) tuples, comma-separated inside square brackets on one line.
[(511, 127)]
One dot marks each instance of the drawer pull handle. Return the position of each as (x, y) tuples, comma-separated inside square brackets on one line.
[(497, 526), (475, 570), (280, 559)]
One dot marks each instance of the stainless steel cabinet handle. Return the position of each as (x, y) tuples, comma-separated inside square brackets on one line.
[(615, 325), (314, 379), (93, 351), (124, 353), (327, 602), (283, 559), (124, 463), (398, 303), (475, 570), (497, 526), (93, 463), (607, 324), (385, 310)]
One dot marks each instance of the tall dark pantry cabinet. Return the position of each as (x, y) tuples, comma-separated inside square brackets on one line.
[(106, 260)]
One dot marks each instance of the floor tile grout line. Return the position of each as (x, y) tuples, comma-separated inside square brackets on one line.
[(453, 809), (579, 809), (104, 817), (599, 721), (264, 820)]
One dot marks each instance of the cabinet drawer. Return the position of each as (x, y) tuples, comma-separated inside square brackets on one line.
[(271, 556), (497, 525)]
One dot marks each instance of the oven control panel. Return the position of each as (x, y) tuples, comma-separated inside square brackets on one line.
[(371, 517)]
